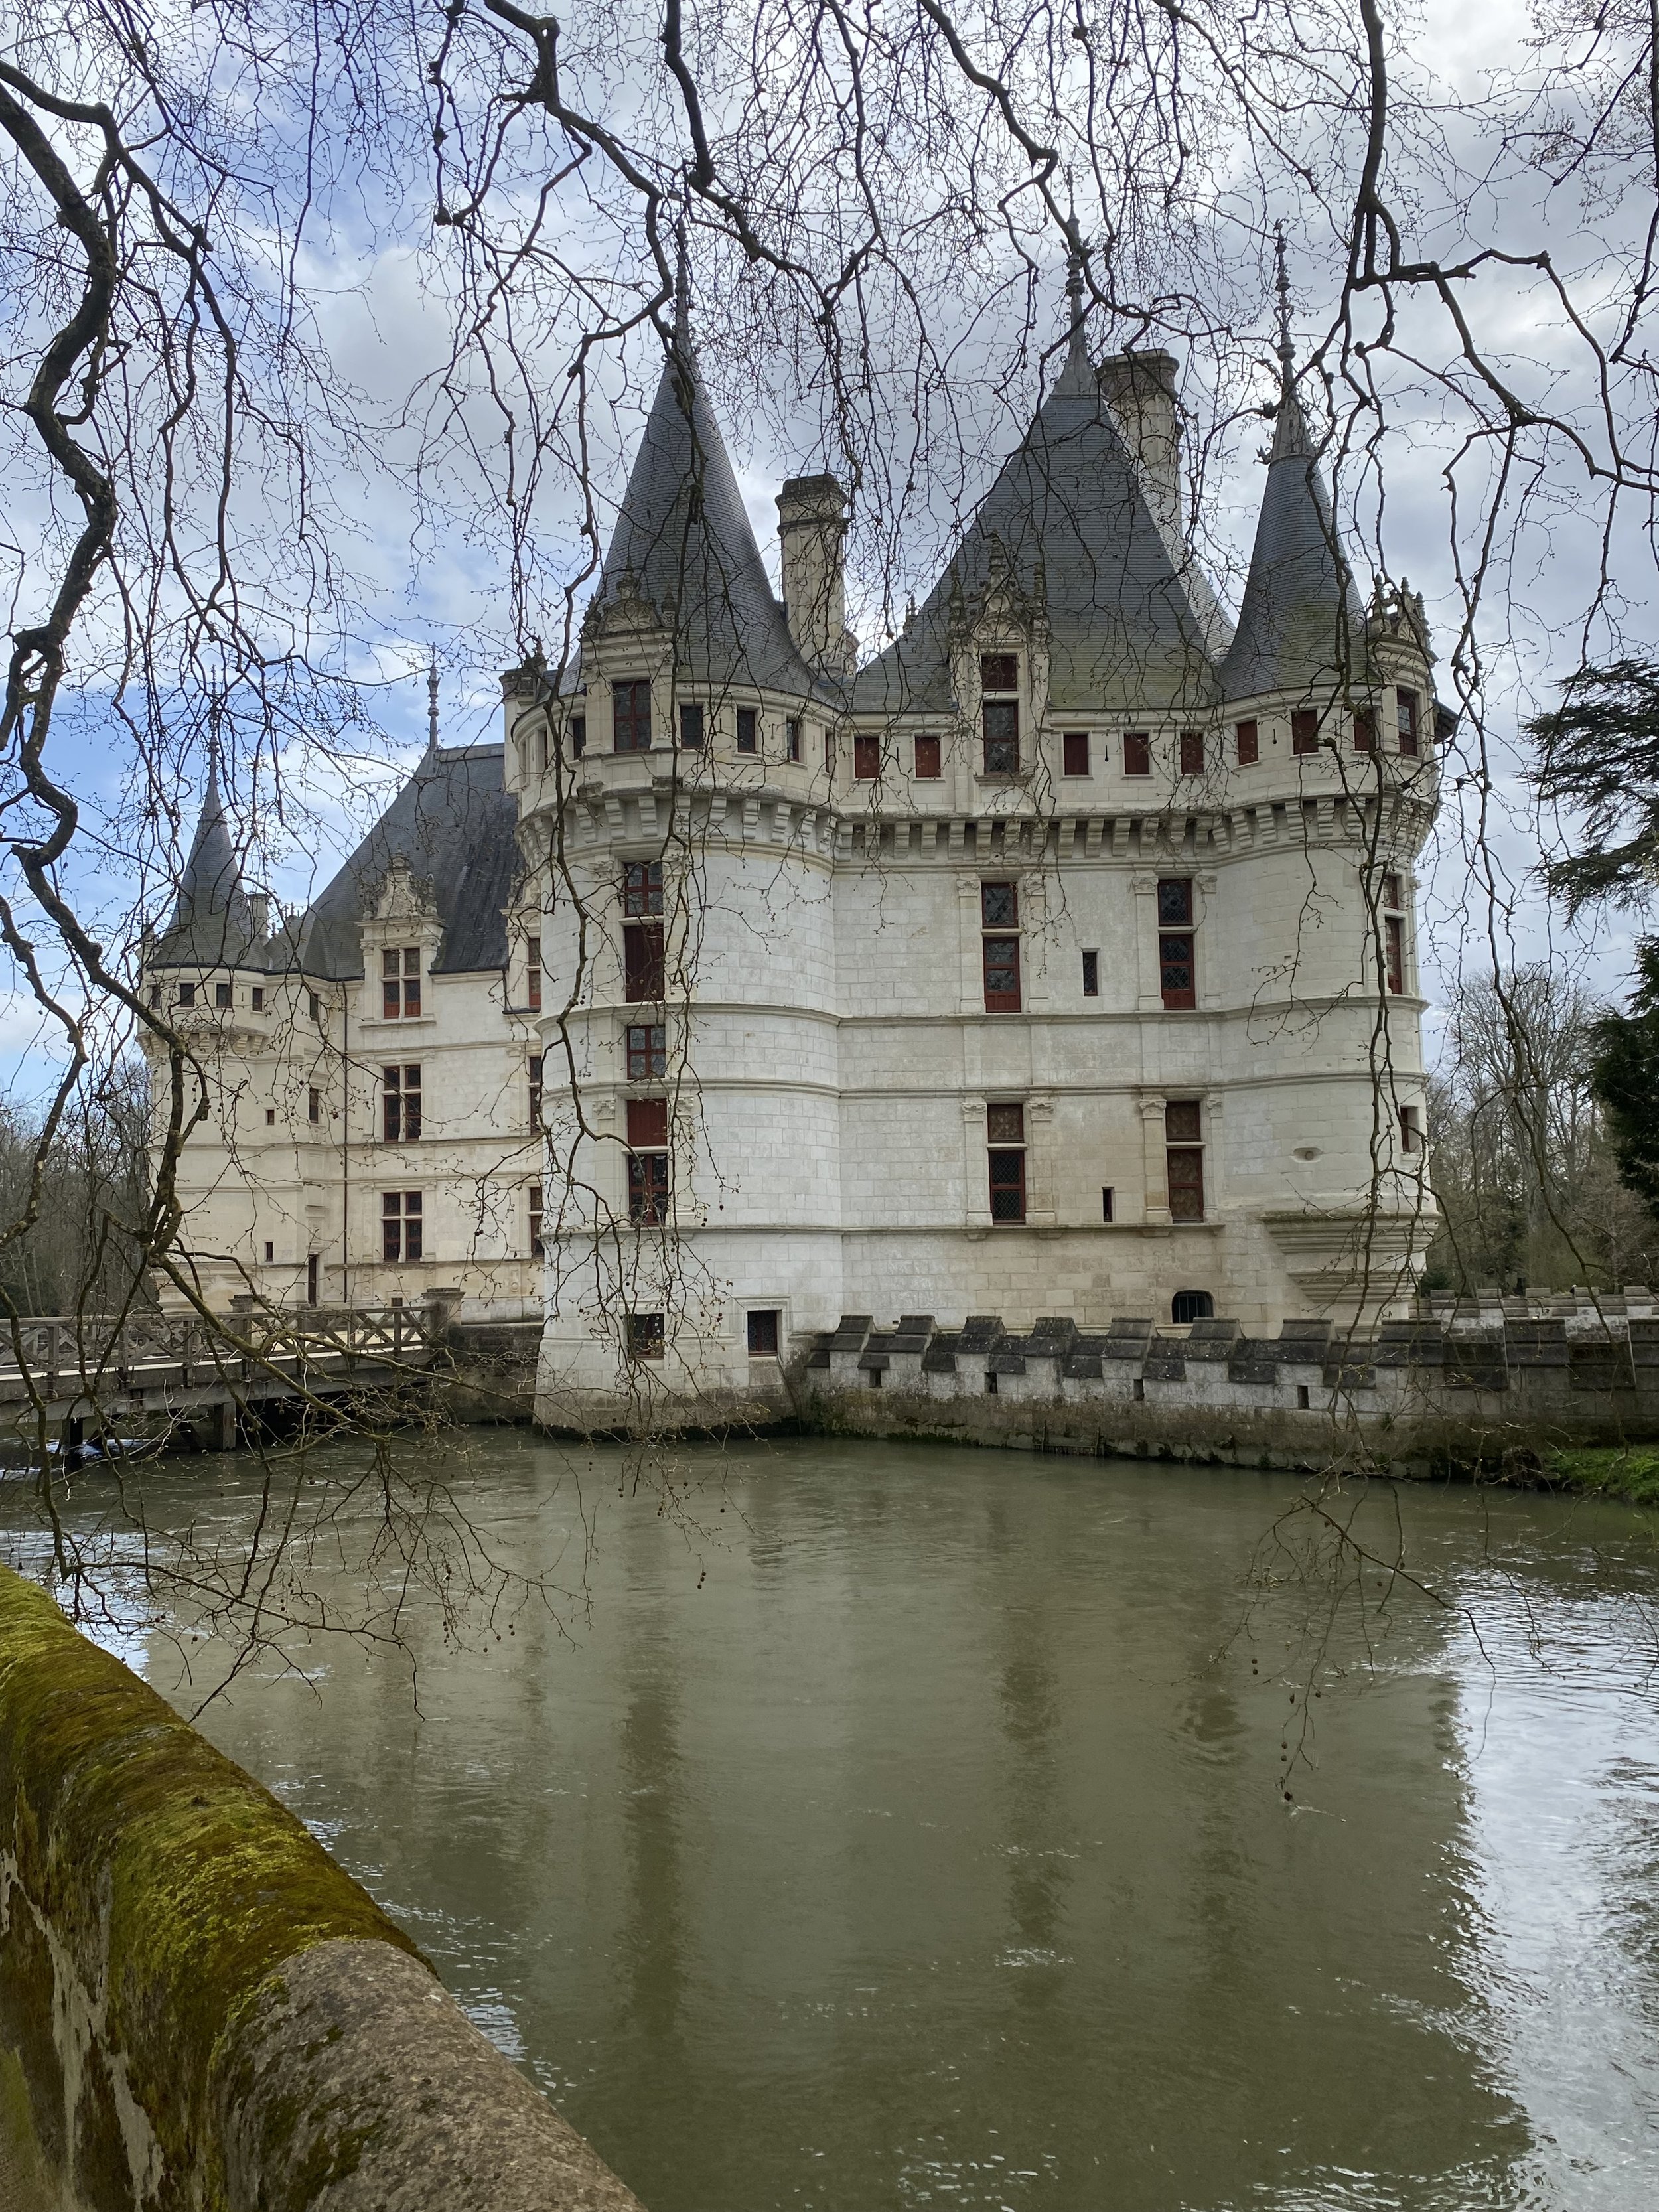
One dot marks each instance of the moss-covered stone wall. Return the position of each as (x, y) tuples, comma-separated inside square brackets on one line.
[(198, 2008)]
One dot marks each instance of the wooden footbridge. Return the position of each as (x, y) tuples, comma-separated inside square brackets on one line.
[(144, 1373)]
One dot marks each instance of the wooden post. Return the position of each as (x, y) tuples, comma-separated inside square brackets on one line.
[(224, 1425)]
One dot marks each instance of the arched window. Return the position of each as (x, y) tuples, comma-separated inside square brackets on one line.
[(1192, 1305)]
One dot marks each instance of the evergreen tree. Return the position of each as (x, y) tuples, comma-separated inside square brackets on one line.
[(1600, 762), (1624, 1078)]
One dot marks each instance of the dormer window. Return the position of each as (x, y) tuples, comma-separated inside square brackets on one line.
[(400, 983), (999, 717)]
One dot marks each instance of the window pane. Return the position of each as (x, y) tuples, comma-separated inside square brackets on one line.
[(1394, 942), (1074, 752), (411, 960), (221, 994), (578, 736), (392, 1239), (1005, 1125), (1176, 972), (1181, 1122), (928, 764), (391, 963), (867, 757), (1186, 1182), (792, 738), (1001, 720), (1007, 1185), (999, 905), (763, 1334), (1249, 741), (642, 887), (748, 730), (1175, 900), (1091, 974), (642, 961), (392, 997), (1364, 731), (1390, 888), (411, 996), (1192, 752), (1137, 753), (998, 672), (631, 717), (1001, 975), (645, 1335), (413, 1247), (1304, 731), (1405, 719), (648, 1188), (691, 725), (646, 1058)]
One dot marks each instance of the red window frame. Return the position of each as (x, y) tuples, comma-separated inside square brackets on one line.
[(1405, 719), (867, 757), (647, 1052), (1184, 1180), (929, 762), (1364, 730), (400, 983), (647, 1189), (1192, 752), (1137, 752), (999, 905), (1000, 957), (647, 1124), (761, 1332), (1247, 741), (643, 978), (1304, 730), (1393, 948), (630, 716), (998, 672), (1005, 1130), (1074, 752), (641, 889), (533, 974)]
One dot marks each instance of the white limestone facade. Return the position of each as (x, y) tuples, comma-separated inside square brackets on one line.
[(1061, 960)]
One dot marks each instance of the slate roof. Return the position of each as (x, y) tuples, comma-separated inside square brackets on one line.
[(212, 924), (1300, 609), (453, 823), (683, 539), (1067, 527)]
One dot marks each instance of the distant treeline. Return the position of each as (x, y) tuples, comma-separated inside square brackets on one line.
[(67, 1245)]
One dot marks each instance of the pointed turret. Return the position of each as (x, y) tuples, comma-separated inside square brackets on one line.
[(1300, 624), (682, 542), (213, 924)]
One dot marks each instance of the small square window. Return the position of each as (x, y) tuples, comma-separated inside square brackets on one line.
[(1181, 1123), (1005, 1124), (691, 725), (1246, 737), (1137, 753), (998, 672), (644, 1336), (647, 1055), (1175, 900), (221, 994), (1091, 974), (642, 887), (1074, 752), (763, 1334), (1304, 731), (1192, 752), (748, 730), (999, 905), (928, 763)]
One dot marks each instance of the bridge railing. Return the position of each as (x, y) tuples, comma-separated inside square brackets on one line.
[(83, 1353)]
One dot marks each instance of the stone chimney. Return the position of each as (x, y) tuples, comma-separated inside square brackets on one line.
[(1140, 389), (811, 524)]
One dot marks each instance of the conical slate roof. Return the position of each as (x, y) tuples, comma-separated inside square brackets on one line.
[(682, 541), (452, 824), (213, 924), (1300, 623), (1067, 530)]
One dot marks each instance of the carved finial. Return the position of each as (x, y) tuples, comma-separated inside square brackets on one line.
[(215, 709), (1286, 348), (431, 702)]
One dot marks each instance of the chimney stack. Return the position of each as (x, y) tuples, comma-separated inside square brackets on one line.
[(812, 526), (1139, 388)]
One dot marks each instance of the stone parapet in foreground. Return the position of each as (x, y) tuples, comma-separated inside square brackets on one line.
[(198, 2008)]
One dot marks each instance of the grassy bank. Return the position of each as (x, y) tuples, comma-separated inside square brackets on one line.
[(1626, 1471)]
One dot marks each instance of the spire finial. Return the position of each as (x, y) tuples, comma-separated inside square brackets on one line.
[(215, 709), (1076, 377), (1282, 284), (682, 290), (431, 702)]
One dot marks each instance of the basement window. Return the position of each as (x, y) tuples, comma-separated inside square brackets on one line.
[(763, 1334), (645, 1337)]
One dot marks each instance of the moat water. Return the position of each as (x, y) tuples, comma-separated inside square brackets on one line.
[(879, 1827)]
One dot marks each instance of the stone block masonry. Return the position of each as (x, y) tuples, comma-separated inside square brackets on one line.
[(1468, 1382), (199, 2010)]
